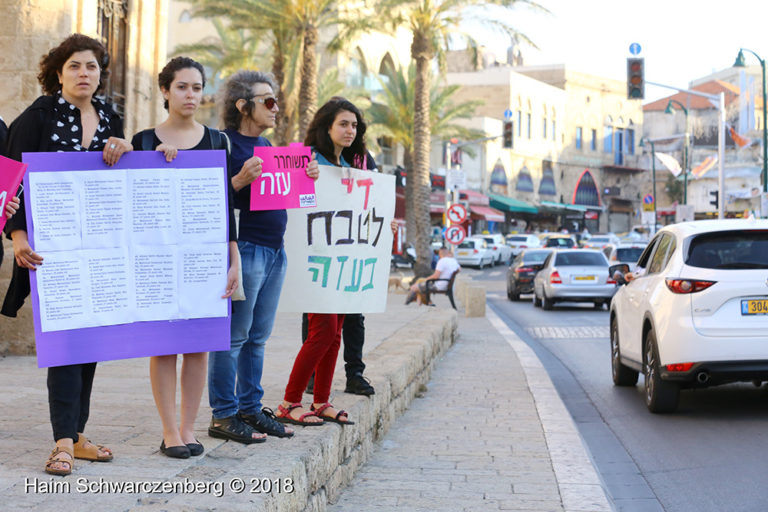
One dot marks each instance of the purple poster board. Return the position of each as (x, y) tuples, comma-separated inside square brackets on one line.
[(124, 341), (283, 183)]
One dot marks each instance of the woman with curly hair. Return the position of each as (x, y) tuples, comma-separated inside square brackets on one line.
[(68, 117)]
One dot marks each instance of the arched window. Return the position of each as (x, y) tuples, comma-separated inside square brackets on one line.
[(547, 185), (586, 192), (185, 16), (524, 181), (544, 123), (356, 69)]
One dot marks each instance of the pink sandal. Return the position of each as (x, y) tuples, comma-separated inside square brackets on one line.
[(283, 415)]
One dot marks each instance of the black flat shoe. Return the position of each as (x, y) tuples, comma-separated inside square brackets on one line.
[(177, 452), (195, 448)]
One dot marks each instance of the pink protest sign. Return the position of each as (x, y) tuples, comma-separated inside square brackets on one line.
[(283, 183), (11, 174)]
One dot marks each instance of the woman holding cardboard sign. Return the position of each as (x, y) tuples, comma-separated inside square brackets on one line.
[(181, 83), (249, 108), (338, 127), (69, 117)]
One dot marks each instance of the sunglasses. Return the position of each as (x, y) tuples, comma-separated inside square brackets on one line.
[(268, 102)]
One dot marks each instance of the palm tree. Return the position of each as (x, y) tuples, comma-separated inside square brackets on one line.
[(391, 112), (231, 50), (433, 24), (284, 19)]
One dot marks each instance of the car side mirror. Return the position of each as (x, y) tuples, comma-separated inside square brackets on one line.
[(621, 269)]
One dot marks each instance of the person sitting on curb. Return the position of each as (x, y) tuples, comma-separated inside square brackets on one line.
[(445, 268)]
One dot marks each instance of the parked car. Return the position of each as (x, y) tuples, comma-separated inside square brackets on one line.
[(559, 240), (474, 252), (521, 272), (600, 241), (522, 241), (501, 251), (696, 315), (626, 253), (574, 275)]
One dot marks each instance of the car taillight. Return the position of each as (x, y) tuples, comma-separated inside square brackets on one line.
[(679, 367), (610, 280), (523, 246), (495, 248), (687, 285), (523, 269), (554, 278)]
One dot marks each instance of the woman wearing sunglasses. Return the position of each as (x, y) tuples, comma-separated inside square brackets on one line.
[(235, 393), (181, 83)]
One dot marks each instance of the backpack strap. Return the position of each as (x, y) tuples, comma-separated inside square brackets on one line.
[(147, 138)]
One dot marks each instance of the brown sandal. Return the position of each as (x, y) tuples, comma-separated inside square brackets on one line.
[(53, 460), (283, 415), (342, 418), (90, 452)]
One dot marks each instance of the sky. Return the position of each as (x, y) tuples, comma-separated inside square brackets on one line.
[(681, 40)]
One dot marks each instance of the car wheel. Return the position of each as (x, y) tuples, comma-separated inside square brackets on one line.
[(660, 396), (536, 300), (513, 296), (481, 266), (599, 304), (622, 375), (546, 302)]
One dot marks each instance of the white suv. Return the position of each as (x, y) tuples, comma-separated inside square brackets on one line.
[(502, 253), (696, 315)]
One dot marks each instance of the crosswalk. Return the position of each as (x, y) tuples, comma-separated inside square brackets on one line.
[(569, 332)]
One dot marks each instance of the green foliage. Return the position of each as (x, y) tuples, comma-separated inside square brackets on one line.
[(674, 188)]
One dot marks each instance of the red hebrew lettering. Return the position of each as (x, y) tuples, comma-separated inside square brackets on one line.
[(367, 184), (348, 182)]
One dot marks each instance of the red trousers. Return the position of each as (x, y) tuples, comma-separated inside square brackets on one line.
[(318, 354)]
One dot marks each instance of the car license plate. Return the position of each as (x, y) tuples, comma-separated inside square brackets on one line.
[(462, 253), (584, 278), (754, 307)]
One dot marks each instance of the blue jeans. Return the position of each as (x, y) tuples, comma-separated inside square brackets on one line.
[(252, 320)]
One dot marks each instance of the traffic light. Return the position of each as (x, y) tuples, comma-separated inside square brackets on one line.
[(716, 195), (635, 79), (507, 135)]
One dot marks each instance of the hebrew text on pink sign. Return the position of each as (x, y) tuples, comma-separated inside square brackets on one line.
[(283, 183)]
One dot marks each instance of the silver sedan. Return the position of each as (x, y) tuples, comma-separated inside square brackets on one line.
[(573, 275)]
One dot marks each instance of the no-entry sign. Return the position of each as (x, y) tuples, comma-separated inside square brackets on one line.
[(455, 235)]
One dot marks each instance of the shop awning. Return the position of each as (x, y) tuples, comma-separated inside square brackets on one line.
[(561, 207), (510, 204), (487, 213), (473, 197)]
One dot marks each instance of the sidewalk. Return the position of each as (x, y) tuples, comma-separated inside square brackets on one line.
[(519, 451)]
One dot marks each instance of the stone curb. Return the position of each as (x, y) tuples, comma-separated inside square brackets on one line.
[(581, 489), (400, 366)]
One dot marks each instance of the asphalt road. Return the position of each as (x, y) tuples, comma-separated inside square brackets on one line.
[(710, 455)]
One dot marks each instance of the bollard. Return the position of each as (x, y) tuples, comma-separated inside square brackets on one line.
[(460, 288), (474, 304)]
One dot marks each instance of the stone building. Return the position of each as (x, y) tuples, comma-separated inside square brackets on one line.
[(134, 33)]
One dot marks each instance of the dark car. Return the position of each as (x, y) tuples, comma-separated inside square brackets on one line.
[(522, 270)]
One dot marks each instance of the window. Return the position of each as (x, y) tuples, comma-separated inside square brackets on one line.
[(544, 128), (519, 123), (185, 16), (586, 258), (664, 250), (608, 139), (386, 155), (593, 142), (729, 250), (630, 142), (553, 130), (578, 137), (112, 29), (528, 124)]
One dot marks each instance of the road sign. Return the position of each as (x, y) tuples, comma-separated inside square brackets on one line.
[(457, 213), (455, 234), (635, 49), (507, 114), (648, 199), (455, 179)]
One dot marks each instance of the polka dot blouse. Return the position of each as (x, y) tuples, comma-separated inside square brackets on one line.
[(67, 133)]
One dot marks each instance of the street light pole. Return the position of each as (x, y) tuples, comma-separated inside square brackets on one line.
[(740, 64), (653, 178), (686, 142)]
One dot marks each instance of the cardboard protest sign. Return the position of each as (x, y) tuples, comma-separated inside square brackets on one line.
[(135, 256), (339, 251), (11, 174), (283, 183)]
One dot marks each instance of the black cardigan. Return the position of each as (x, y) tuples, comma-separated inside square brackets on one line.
[(30, 133)]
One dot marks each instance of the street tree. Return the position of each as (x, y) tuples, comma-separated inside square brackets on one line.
[(434, 24)]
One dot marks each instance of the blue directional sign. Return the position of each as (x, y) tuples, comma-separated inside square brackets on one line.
[(507, 114), (648, 199), (635, 49)]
